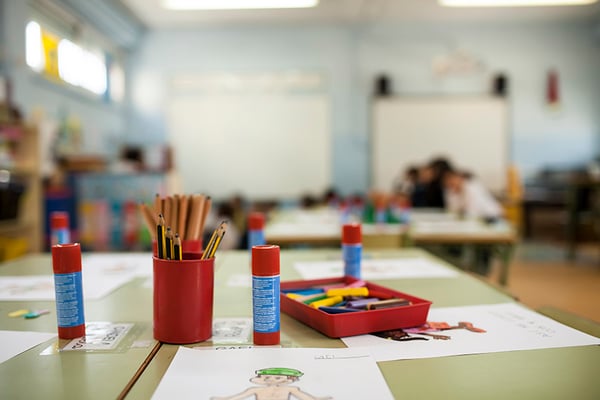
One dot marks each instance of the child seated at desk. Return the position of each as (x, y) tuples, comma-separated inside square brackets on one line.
[(467, 197)]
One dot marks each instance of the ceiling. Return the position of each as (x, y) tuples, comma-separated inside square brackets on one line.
[(355, 12)]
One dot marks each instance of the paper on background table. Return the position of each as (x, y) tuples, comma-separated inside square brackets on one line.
[(458, 227), (138, 264), (328, 373), (371, 269), (101, 275), (239, 280), (16, 342), (286, 229), (509, 327)]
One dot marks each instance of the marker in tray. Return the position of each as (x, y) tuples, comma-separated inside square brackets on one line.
[(380, 305), (359, 292)]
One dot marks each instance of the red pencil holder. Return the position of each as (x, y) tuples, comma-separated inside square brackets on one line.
[(183, 299), (187, 246)]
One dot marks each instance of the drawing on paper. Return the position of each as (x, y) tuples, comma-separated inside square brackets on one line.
[(430, 329), (274, 386)]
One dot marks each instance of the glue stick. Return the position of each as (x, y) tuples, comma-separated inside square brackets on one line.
[(59, 228), (265, 294), (66, 263), (256, 227), (352, 249)]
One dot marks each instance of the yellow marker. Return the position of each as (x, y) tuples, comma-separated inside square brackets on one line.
[(294, 296), (359, 291), (18, 313), (330, 301), (313, 297)]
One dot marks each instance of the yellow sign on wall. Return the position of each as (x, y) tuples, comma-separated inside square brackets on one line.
[(50, 44)]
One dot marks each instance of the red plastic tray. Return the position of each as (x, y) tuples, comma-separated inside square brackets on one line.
[(356, 323)]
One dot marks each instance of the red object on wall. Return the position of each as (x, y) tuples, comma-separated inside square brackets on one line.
[(552, 92)]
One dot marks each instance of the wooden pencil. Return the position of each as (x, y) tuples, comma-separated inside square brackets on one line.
[(167, 210), (160, 237), (169, 244), (175, 214), (215, 241), (205, 211), (193, 226), (157, 204), (183, 215), (177, 250), (149, 219)]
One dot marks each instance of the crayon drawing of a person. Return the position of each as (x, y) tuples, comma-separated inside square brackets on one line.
[(274, 386)]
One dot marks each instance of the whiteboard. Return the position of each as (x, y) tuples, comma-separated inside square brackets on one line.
[(472, 132), (260, 145)]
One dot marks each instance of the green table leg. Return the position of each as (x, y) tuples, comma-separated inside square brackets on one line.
[(505, 251)]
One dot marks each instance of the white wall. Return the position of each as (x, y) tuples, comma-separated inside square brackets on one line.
[(353, 57)]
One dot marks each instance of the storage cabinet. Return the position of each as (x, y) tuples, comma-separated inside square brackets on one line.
[(21, 189)]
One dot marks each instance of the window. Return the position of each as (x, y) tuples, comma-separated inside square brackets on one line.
[(34, 50), (82, 67), (63, 60)]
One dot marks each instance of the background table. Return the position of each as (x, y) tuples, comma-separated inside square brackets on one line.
[(428, 228), (499, 236)]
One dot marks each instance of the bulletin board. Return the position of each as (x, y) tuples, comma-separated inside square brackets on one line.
[(263, 141), (471, 131)]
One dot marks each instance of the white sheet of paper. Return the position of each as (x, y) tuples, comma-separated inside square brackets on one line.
[(508, 326), (101, 274), (15, 342), (342, 374), (371, 269)]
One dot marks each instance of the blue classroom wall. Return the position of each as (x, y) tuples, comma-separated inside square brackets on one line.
[(351, 58), (163, 55), (540, 136)]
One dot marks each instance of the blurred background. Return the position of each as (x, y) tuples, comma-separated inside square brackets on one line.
[(106, 103)]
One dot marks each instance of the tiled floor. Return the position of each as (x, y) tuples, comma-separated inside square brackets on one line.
[(541, 275)]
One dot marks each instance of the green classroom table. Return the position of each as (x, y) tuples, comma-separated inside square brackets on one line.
[(75, 375), (563, 373)]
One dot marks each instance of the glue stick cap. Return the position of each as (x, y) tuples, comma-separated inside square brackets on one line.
[(66, 258), (59, 220), (351, 234), (265, 260), (256, 221)]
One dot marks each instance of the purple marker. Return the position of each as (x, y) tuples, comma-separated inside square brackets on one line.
[(361, 303)]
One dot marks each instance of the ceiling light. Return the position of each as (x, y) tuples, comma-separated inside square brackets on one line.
[(235, 4), (513, 3)]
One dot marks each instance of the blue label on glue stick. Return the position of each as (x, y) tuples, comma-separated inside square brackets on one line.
[(352, 255), (69, 299), (265, 303)]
